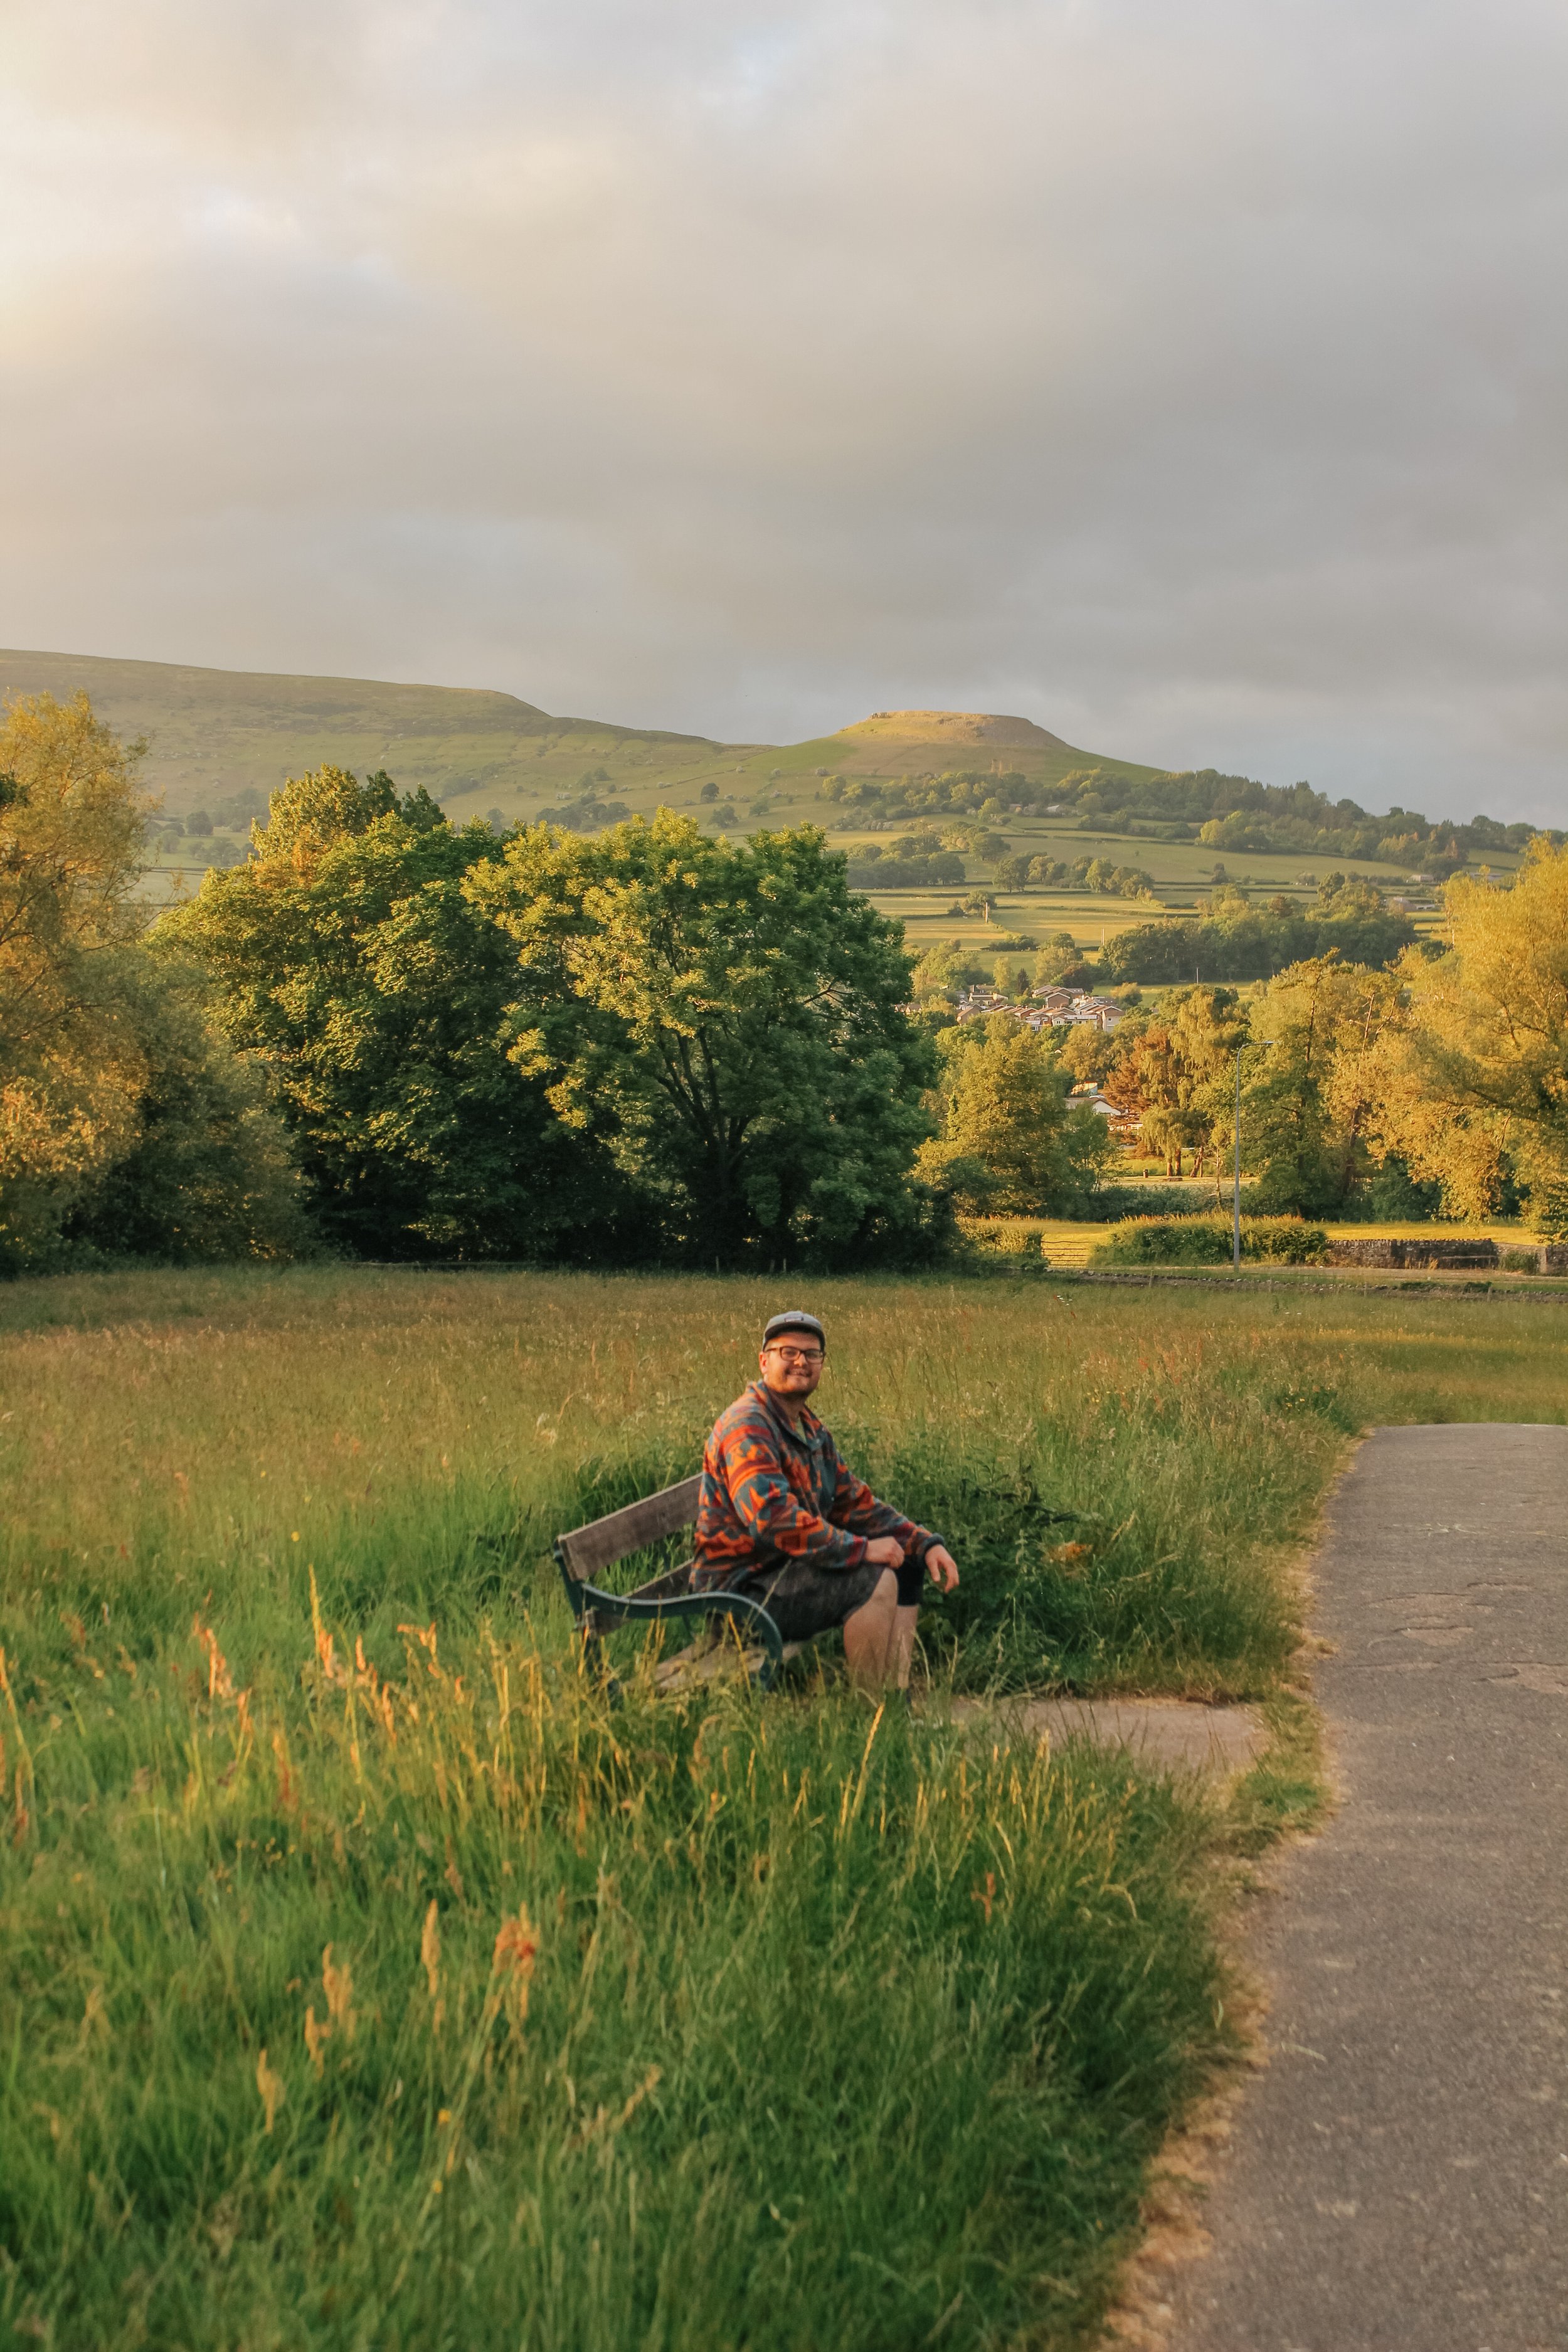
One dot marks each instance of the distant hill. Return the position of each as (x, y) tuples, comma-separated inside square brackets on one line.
[(213, 734), (220, 741)]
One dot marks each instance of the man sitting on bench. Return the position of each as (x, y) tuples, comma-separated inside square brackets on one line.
[(783, 1520)]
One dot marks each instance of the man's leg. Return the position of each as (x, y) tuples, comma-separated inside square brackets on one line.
[(904, 1624), (876, 1649)]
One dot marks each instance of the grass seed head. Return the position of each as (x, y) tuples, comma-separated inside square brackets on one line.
[(339, 1986), (317, 2035), (271, 2086)]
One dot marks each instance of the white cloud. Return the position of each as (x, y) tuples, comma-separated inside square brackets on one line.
[(1191, 380)]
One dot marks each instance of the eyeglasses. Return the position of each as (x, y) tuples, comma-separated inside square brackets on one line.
[(796, 1355)]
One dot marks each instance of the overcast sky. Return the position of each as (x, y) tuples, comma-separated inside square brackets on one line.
[(1188, 379)]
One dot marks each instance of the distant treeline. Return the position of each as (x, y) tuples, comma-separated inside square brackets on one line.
[(1236, 939), (904, 868), (1226, 811), (1101, 874)]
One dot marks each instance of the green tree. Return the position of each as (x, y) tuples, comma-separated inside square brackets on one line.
[(1232, 940), (1174, 1073), (1009, 1141), (1311, 1107), (735, 1017), (350, 962), (1059, 956), (209, 1176)]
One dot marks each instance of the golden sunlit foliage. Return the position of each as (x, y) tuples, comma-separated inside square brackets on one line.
[(70, 837), (1475, 1083), (124, 1121)]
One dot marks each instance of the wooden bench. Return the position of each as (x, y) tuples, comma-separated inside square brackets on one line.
[(587, 1552)]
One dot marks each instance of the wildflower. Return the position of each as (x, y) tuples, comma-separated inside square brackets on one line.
[(516, 1948), (218, 1682), (271, 2086), (325, 1645)]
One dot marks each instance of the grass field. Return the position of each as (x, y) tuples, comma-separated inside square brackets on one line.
[(1067, 1242), (373, 1981)]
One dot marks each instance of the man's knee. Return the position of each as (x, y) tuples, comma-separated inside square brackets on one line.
[(882, 1599)]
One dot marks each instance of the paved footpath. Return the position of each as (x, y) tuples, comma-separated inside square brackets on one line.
[(1397, 2177)]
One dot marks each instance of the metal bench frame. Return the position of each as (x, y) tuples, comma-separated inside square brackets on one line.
[(586, 1551)]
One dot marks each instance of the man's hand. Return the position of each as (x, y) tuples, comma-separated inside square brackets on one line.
[(885, 1551), (942, 1567)]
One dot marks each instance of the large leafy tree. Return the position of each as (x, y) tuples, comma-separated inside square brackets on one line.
[(352, 962), (1010, 1140), (1311, 1117), (731, 1017), (72, 823), (1173, 1074), (127, 1126), (1474, 1084)]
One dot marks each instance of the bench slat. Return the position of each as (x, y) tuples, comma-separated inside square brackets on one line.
[(604, 1541)]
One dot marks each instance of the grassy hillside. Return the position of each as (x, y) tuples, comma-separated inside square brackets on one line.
[(211, 733), (215, 737)]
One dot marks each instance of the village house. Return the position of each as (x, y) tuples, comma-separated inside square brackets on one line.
[(1060, 1008)]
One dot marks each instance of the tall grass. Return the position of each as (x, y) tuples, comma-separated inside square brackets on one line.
[(371, 1980), (453, 2009)]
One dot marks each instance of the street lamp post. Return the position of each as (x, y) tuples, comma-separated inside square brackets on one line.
[(1235, 1218)]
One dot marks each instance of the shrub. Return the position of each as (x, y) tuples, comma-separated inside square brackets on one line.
[(1164, 1241), (1207, 1241)]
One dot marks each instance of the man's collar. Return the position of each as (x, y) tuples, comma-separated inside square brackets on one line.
[(807, 1427)]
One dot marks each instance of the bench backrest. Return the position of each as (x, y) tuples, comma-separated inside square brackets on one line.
[(601, 1542)]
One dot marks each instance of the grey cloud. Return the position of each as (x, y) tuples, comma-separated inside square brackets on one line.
[(1191, 380)]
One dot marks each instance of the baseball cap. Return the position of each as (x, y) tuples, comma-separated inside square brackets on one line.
[(793, 1318)]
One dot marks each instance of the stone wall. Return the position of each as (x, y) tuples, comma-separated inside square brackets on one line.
[(1457, 1254)]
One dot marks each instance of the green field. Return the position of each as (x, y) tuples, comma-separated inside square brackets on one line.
[(373, 1981)]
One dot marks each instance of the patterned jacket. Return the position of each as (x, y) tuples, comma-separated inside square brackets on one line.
[(772, 1492)]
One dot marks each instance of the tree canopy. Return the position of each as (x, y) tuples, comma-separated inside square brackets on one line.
[(1474, 1081), (1172, 1073), (352, 962), (126, 1125), (1010, 1140), (1234, 940), (733, 1018)]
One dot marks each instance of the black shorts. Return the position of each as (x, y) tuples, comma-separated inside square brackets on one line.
[(803, 1600)]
